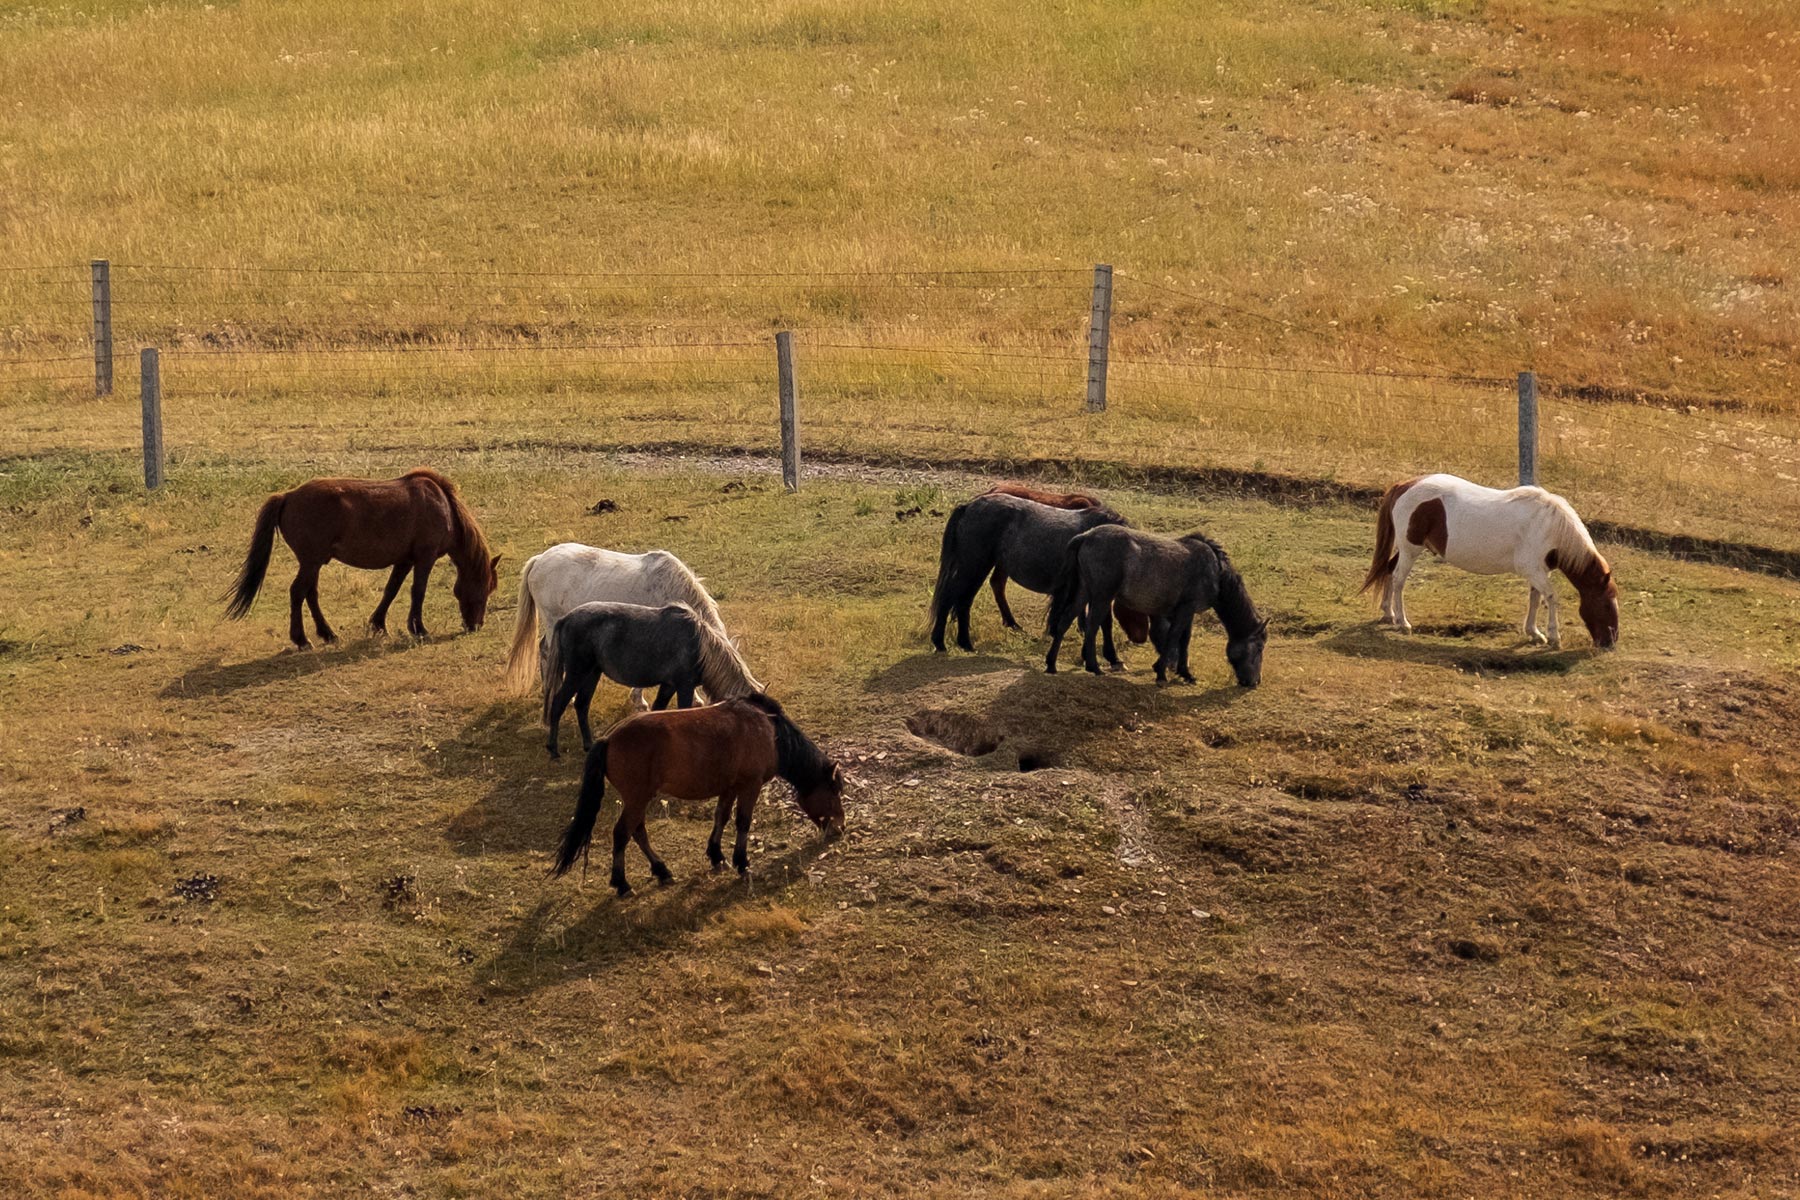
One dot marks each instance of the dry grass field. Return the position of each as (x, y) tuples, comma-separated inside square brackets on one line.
[(1419, 917), (1422, 917)]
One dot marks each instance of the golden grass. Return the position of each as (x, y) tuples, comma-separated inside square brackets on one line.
[(1419, 917)]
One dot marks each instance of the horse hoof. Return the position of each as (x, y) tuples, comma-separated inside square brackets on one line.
[(1117, 666), (624, 890)]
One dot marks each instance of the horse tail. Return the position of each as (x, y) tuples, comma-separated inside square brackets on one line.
[(556, 670), (521, 661), (1067, 588), (1385, 556), (580, 832), (949, 569), (256, 563)]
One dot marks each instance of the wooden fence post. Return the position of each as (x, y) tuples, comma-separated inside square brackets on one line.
[(103, 350), (150, 376), (1528, 428), (790, 410), (1099, 337)]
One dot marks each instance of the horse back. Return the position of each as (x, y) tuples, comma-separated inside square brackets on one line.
[(368, 523), (693, 753)]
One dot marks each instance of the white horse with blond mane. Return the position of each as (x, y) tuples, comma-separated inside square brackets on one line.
[(1522, 531), (571, 574)]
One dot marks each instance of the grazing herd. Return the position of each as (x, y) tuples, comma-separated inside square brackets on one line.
[(646, 621)]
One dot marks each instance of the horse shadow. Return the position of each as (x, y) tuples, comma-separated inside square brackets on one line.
[(529, 795), (653, 919), (218, 678), (1425, 646), (918, 670)]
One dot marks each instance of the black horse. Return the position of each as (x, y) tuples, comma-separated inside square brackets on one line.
[(1008, 536), (1169, 578), (669, 648)]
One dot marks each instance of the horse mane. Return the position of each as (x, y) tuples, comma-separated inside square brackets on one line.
[(687, 587), (471, 544), (723, 672), (797, 759), (1237, 612), (1576, 554)]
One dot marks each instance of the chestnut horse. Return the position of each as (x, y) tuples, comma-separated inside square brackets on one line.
[(1135, 624), (729, 750), (405, 524)]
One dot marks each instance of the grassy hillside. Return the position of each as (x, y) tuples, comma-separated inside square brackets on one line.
[(1420, 917), (1604, 189)]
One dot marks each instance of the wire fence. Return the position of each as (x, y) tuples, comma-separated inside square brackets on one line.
[(961, 363)]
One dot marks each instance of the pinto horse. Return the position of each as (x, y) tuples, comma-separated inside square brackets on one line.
[(1171, 579), (405, 524), (1135, 624), (728, 750), (1522, 531)]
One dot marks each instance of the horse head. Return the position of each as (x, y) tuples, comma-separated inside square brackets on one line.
[(1245, 654), (823, 803), (1600, 605), (473, 587)]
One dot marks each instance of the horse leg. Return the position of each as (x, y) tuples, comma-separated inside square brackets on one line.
[(1532, 633), (740, 854), (297, 591), (1090, 631), (658, 867), (622, 834), (553, 717), (1159, 637), (664, 694), (415, 617), (1059, 625), (963, 641), (1182, 634), (378, 622), (1113, 661), (1543, 584), (684, 697), (584, 697), (1408, 554), (713, 852), (998, 583)]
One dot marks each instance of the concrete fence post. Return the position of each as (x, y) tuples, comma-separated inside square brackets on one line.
[(103, 342), (1528, 428), (1099, 337), (789, 388), (150, 378)]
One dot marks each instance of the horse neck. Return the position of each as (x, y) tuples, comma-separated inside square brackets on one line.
[(797, 760), (1237, 612), (690, 591), (468, 545), (722, 669)]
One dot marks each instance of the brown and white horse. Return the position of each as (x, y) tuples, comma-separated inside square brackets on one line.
[(1521, 531)]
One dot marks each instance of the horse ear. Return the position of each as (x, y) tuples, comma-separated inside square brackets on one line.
[(494, 563)]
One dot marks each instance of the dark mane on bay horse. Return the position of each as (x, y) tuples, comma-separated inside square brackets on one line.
[(403, 524)]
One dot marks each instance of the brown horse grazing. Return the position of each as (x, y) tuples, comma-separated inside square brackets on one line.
[(1135, 624), (727, 750), (406, 524)]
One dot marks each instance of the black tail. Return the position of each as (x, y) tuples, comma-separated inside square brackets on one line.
[(1067, 590), (580, 832), (256, 562), (949, 566), (555, 671)]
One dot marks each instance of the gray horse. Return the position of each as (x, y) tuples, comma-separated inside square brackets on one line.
[(669, 648), (1169, 578), (1012, 538)]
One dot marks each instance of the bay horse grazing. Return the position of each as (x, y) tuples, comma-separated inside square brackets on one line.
[(1002, 533), (404, 524), (668, 648), (1135, 624), (570, 574), (1521, 531), (1171, 579), (727, 750)]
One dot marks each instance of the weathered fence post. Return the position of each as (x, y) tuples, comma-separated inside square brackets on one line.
[(150, 376), (103, 372), (790, 410), (1099, 337), (1528, 428)]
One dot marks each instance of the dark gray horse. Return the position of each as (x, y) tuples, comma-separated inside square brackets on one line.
[(1169, 578), (669, 648), (1005, 535)]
